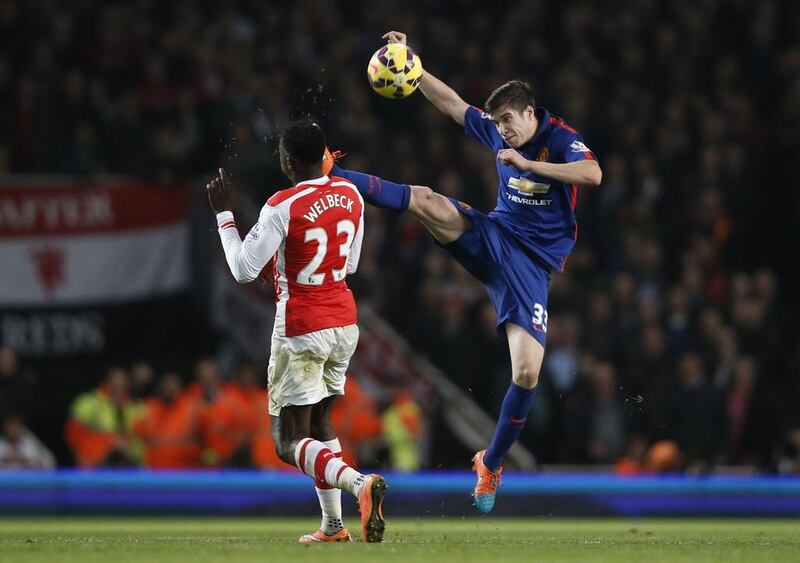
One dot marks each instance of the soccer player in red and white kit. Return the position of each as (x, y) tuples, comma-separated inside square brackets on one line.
[(311, 234)]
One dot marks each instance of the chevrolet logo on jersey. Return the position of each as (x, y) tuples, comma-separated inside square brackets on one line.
[(525, 186)]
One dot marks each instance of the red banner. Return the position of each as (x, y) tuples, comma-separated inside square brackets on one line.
[(67, 209)]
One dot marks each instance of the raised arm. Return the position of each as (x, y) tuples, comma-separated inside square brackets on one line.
[(245, 258), (444, 98)]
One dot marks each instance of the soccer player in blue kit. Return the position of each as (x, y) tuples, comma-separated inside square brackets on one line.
[(541, 162)]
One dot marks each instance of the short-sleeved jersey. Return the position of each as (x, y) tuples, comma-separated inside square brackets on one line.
[(539, 211), (312, 234)]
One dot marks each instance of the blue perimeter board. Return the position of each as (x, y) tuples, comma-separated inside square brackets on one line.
[(141, 492)]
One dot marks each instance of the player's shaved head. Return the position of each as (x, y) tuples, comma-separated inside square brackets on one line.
[(304, 142), (515, 94)]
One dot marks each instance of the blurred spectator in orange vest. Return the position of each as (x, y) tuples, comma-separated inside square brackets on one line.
[(402, 429), (100, 424), (170, 427), (223, 422), (355, 419), (262, 447)]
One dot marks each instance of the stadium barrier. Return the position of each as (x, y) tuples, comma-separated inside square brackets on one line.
[(124, 492)]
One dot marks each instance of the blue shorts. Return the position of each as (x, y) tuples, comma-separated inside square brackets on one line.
[(516, 280)]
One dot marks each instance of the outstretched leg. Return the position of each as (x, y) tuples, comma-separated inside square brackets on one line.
[(438, 214), (376, 190), (435, 211)]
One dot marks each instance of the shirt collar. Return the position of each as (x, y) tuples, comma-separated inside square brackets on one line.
[(321, 181)]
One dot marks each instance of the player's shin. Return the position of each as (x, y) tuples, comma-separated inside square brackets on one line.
[(319, 462), (513, 416), (377, 191), (330, 497)]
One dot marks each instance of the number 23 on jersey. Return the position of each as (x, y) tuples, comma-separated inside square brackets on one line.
[(312, 274)]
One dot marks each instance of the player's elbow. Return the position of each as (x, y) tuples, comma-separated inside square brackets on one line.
[(594, 176), (242, 269), (456, 110), (242, 276)]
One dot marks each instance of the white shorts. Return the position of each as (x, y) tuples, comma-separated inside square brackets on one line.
[(305, 369)]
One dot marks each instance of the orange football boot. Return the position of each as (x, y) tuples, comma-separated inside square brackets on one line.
[(370, 503), (328, 158), (485, 490), (320, 537)]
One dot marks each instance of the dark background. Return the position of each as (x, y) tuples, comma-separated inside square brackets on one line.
[(679, 301)]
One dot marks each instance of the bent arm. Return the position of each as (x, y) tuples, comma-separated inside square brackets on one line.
[(582, 172), (443, 97), (247, 258)]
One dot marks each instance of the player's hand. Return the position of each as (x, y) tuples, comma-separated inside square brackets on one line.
[(395, 37), (220, 193), (511, 157)]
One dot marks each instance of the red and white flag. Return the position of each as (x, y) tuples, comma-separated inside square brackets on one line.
[(103, 243)]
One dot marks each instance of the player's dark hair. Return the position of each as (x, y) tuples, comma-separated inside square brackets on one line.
[(516, 94), (304, 141)]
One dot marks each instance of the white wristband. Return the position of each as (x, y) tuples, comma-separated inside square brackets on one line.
[(224, 217)]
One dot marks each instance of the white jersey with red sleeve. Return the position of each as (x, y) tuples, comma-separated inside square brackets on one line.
[(313, 231)]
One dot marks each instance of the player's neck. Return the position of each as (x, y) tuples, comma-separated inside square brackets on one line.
[(306, 174), (535, 130)]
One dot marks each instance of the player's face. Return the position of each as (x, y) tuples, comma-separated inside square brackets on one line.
[(516, 127)]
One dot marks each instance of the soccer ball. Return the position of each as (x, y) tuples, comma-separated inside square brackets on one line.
[(394, 71)]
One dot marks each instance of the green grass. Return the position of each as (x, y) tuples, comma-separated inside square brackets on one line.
[(231, 540)]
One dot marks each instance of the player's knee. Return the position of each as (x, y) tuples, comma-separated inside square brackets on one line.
[(525, 376), (422, 200), (426, 203), (431, 208)]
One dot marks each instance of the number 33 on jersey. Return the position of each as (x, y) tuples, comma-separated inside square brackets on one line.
[(312, 233)]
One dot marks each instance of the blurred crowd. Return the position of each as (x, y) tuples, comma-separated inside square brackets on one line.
[(672, 323), (138, 418)]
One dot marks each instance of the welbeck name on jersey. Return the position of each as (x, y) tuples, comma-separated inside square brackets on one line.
[(328, 202)]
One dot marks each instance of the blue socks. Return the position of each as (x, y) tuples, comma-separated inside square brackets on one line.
[(512, 419), (378, 192)]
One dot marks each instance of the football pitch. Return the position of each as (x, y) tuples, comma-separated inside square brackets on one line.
[(438, 540)]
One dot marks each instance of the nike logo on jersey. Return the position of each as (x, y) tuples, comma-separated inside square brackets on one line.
[(323, 204)]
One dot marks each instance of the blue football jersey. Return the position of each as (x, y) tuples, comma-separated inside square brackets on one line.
[(538, 211)]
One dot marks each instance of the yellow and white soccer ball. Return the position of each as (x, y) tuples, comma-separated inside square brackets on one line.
[(394, 71)]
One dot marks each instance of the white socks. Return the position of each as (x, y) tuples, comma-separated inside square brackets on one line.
[(316, 460), (330, 498)]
